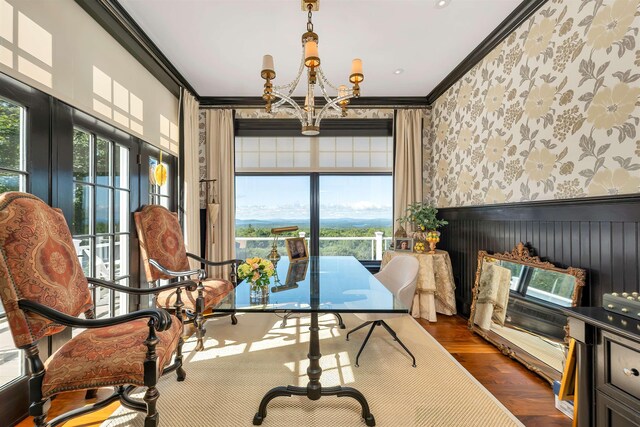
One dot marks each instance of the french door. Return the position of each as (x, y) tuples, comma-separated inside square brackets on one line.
[(24, 166)]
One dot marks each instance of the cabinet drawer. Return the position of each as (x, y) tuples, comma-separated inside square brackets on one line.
[(613, 414), (624, 367), (619, 375)]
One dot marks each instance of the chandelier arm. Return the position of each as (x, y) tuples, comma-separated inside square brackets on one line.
[(325, 94), (286, 98), (291, 86), (333, 103)]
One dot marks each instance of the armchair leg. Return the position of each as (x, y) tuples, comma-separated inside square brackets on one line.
[(200, 332), (180, 370), (234, 319), (150, 398)]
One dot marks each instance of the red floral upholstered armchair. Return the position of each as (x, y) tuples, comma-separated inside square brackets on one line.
[(44, 290), (165, 257)]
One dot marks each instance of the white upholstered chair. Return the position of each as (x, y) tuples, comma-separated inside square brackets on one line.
[(399, 277)]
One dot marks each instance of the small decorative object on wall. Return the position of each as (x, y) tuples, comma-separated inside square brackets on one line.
[(160, 173), (257, 272), (297, 249), (403, 244)]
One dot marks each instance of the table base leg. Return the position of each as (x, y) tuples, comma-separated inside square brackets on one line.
[(314, 389), (338, 391)]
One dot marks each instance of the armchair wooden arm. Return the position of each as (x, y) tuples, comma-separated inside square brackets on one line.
[(214, 263), (201, 273), (189, 285), (159, 318)]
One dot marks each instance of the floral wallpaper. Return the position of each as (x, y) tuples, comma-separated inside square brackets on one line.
[(550, 113)]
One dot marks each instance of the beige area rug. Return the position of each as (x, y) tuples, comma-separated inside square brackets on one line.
[(226, 381)]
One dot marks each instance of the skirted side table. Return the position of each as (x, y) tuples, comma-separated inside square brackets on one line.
[(435, 287)]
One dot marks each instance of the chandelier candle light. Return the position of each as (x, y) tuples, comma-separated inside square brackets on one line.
[(307, 114)]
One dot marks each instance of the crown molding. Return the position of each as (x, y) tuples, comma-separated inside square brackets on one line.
[(502, 31), (120, 25), (238, 102)]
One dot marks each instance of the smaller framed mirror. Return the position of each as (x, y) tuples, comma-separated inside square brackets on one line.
[(517, 306)]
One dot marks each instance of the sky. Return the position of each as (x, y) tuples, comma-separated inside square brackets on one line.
[(287, 197)]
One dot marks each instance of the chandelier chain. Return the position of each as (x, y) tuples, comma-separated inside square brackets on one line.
[(309, 23)]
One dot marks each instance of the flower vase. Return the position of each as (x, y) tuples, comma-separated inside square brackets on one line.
[(259, 295)]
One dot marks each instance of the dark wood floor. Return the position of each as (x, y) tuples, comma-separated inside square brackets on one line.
[(526, 395)]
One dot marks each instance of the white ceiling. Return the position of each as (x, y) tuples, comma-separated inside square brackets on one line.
[(217, 45)]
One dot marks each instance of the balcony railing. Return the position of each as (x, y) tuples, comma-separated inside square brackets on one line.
[(363, 247)]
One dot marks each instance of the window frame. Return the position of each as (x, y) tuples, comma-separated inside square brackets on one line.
[(37, 134)]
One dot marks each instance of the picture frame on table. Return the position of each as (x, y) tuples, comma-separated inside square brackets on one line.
[(402, 244), (297, 249)]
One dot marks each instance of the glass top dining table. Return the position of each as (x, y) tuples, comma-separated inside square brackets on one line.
[(326, 284)]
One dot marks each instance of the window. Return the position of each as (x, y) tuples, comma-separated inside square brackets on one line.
[(100, 220), (264, 202), (13, 177), (355, 215), (13, 174), (337, 190)]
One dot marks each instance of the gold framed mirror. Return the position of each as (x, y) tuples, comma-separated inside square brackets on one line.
[(517, 306)]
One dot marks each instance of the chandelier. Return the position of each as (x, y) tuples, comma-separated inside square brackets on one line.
[(277, 96)]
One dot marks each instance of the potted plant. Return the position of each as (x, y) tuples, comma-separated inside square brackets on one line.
[(423, 218)]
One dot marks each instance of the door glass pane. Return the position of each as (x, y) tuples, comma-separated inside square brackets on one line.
[(121, 211), (84, 250), (80, 222), (265, 202), (81, 156), (103, 162), (120, 299), (121, 255), (10, 181), (103, 257), (11, 123), (356, 215), (121, 167), (103, 210)]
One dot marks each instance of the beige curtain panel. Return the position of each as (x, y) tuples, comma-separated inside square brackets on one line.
[(190, 128), (221, 242), (407, 171)]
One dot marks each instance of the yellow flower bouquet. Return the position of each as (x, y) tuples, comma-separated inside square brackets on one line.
[(257, 271)]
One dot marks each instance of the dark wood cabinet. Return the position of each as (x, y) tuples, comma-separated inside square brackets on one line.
[(608, 356)]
